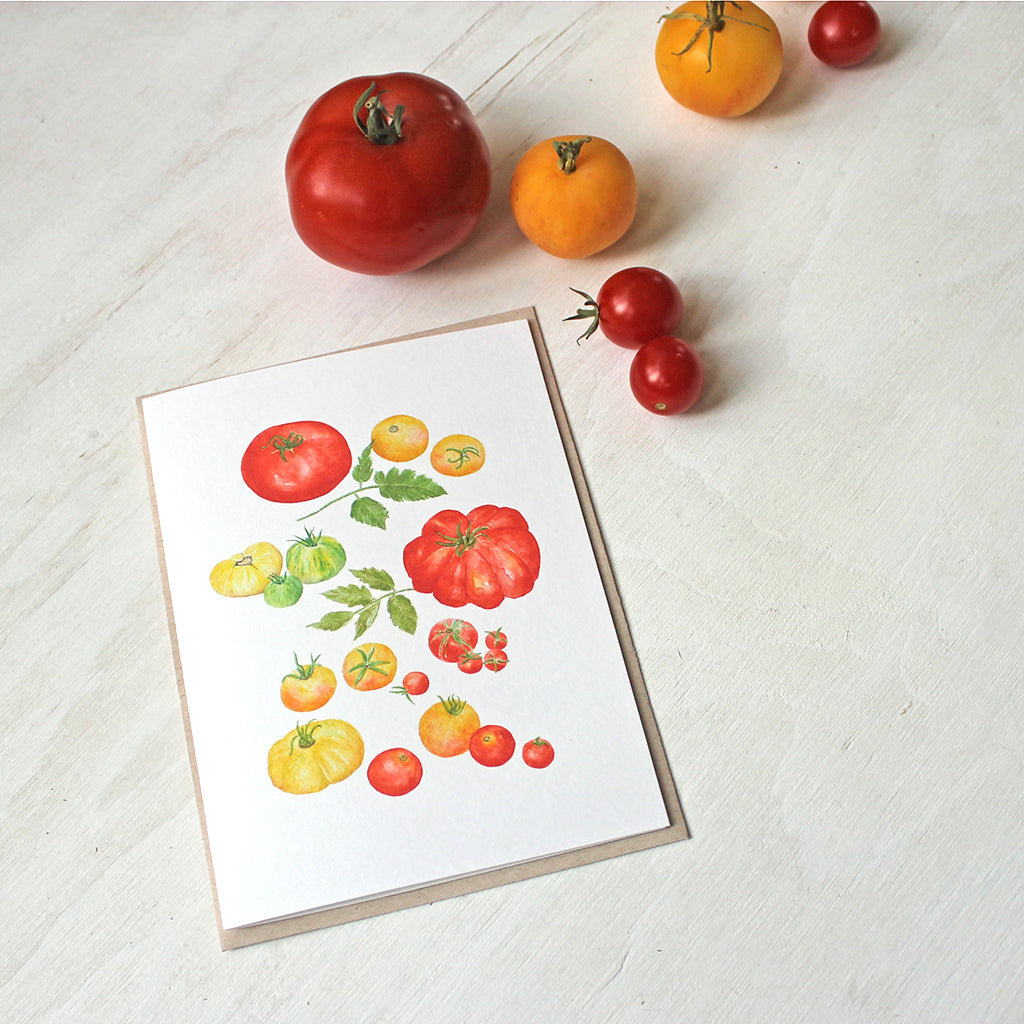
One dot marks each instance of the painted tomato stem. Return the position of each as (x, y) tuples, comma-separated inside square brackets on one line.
[(568, 152), (341, 497), (380, 127), (462, 542), (285, 445), (304, 734)]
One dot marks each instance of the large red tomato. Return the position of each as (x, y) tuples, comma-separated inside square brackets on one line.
[(296, 461), (480, 557), (386, 174)]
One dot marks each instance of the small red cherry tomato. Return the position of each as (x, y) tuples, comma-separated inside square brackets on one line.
[(395, 772), (666, 375), (449, 639), (538, 753), (633, 306), (495, 640), (844, 32), (492, 745), (495, 661), (471, 661), (413, 684)]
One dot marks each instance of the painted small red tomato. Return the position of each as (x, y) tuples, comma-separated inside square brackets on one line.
[(632, 306), (296, 461), (414, 684), (495, 661), (844, 32), (495, 640), (538, 753), (471, 661), (395, 772), (449, 639), (492, 745), (666, 375)]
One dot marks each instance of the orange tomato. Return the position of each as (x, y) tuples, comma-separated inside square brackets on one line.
[(457, 455), (447, 727), (574, 195), (399, 438), (309, 687), (369, 667), (719, 59)]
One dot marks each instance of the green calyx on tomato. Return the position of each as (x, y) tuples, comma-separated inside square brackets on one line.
[(303, 671), (714, 21), (589, 311), (380, 127), (304, 734), (463, 540), (568, 152), (284, 446)]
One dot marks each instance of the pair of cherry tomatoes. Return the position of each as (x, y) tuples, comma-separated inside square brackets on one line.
[(640, 308), (723, 58)]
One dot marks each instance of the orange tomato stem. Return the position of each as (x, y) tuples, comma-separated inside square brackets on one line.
[(568, 152), (714, 21)]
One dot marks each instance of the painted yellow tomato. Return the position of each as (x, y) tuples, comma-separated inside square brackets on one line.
[(248, 572), (574, 195), (400, 438), (370, 667), (309, 687), (447, 727), (315, 755), (719, 59), (457, 455)]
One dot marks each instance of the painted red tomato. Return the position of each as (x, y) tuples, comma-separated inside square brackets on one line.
[(296, 461), (395, 772), (492, 745), (495, 640), (387, 173), (495, 661), (449, 639), (480, 557), (470, 662), (538, 753)]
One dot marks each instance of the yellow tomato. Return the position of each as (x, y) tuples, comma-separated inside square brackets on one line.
[(447, 726), (399, 438), (247, 573), (309, 687), (719, 59), (315, 755), (369, 667), (574, 195), (457, 455)]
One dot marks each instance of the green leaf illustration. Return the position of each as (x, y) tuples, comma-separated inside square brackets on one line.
[(375, 579), (407, 485), (351, 594), (366, 619), (363, 469), (333, 620), (402, 613), (370, 512)]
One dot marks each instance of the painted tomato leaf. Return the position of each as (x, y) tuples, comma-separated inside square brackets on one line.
[(363, 602), (393, 485)]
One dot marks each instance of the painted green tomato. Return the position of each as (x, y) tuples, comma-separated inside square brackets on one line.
[(315, 558), (283, 591)]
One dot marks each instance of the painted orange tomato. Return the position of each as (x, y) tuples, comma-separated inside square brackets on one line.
[(315, 755), (369, 666), (447, 727), (719, 59), (248, 572), (395, 772), (574, 195), (309, 687), (400, 438), (457, 455)]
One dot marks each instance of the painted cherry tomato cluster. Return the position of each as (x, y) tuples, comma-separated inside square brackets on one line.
[(640, 308), (456, 641)]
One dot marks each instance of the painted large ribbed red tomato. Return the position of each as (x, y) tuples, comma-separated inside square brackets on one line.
[(479, 557), (387, 173)]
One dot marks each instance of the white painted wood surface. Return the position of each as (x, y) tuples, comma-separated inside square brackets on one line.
[(821, 564)]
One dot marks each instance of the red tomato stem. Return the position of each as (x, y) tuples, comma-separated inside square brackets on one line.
[(380, 127)]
